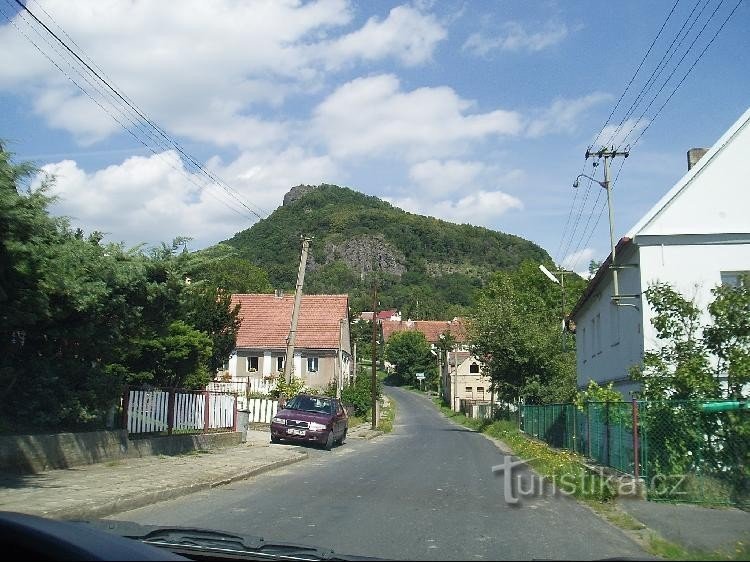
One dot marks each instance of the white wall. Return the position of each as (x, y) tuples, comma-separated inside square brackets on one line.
[(608, 337), (693, 270)]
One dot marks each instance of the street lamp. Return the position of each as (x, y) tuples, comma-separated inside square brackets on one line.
[(561, 282)]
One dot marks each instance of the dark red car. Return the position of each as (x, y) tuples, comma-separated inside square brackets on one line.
[(312, 419)]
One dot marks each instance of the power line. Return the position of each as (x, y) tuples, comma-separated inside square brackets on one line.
[(114, 117), (655, 73), (570, 214), (637, 70), (689, 70), (578, 218), (674, 70), (228, 189)]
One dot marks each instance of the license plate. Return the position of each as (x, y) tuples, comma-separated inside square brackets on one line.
[(295, 431)]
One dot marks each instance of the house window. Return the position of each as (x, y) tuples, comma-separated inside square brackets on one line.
[(734, 278), (469, 390), (252, 364), (480, 390), (584, 343), (473, 368), (280, 363), (312, 364)]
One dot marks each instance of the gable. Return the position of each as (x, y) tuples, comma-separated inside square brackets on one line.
[(713, 197)]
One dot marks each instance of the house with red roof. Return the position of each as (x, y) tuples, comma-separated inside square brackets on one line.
[(322, 351)]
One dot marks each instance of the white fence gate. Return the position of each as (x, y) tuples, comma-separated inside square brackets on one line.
[(242, 388), (148, 411), (261, 410)]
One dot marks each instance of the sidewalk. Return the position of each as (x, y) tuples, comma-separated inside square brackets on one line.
[(693, 527), (99, 490)]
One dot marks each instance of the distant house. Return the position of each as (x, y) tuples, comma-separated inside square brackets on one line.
[(696, 237), (322, 352), (432, 329), (463, 383), (391, 315)]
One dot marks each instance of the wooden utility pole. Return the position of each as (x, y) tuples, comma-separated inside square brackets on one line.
[(289, 362), (374, 353)]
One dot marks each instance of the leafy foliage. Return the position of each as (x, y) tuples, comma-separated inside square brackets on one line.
[(516, 329), (445, 263), (409, 351), (596, 393), (80, 319)]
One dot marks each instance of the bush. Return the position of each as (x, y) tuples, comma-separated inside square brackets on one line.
[(359, 395)]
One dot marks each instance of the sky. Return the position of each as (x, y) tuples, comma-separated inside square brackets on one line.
[(475, 112)]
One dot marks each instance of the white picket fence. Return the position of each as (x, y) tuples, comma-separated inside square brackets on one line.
[(242, 388), (148, 411), (261, 410)]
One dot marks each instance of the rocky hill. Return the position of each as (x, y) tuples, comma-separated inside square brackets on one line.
[(427, 268)]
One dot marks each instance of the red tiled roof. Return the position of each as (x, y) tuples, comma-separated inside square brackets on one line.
[(265, 320), (386, 314), (430, 328)]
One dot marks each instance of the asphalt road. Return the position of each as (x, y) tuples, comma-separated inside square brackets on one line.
[(426, 491)]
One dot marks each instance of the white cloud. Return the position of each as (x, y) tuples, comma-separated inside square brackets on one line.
[(478, 208), (563, 114), (406, 34), (580, 258), (150, 199), (372, 115), (442, 177), (514, 37), (619, 135), (204, 69)]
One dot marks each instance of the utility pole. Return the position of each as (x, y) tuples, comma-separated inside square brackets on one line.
[(608, 154), (289, 362), (374, 351)]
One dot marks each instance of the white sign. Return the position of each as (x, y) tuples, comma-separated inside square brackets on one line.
[(420, 376)]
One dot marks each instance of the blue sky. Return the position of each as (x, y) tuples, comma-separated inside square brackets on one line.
[(476, 112)]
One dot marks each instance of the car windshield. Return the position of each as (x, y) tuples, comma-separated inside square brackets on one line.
[(403, 278), (311, 404)]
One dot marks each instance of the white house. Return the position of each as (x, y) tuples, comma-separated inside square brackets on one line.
[(696, 237)]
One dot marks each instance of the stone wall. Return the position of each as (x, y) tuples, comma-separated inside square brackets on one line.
[(36, 453)]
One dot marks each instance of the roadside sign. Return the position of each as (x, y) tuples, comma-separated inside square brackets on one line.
[(420, 376)]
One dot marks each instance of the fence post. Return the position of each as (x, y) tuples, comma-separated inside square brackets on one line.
[(636, 443), (608, 440), (206, 418), (588, 429), (234, 414), (170, 412), (125, 407)]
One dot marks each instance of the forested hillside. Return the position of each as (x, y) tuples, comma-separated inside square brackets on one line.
[(427, 268)]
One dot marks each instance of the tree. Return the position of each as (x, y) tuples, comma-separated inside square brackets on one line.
[(515, 329), (679, 368), (409, 351), (728, 337)]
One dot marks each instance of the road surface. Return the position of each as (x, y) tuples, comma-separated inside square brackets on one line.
[(426, 491)]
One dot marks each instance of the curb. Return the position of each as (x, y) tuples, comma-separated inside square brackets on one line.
[(135, 501)]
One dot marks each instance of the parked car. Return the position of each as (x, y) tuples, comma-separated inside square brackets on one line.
[(313, 419)]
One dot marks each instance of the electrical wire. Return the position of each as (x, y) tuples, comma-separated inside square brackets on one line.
[(114, 117), (124, 99)]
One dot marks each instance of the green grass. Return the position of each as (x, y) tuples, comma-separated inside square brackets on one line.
[(387, 418)]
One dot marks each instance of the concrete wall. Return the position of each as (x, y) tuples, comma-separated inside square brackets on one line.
[(36, 453)]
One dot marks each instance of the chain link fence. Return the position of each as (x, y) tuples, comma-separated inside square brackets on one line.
[(685, 451)]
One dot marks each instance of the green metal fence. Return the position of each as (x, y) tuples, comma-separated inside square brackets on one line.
[(683, 450)]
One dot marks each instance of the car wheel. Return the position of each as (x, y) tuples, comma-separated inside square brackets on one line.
[(275, 439), (329, 441)]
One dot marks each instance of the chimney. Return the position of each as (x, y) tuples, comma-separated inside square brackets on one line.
[(695, 154), (279, 293)]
